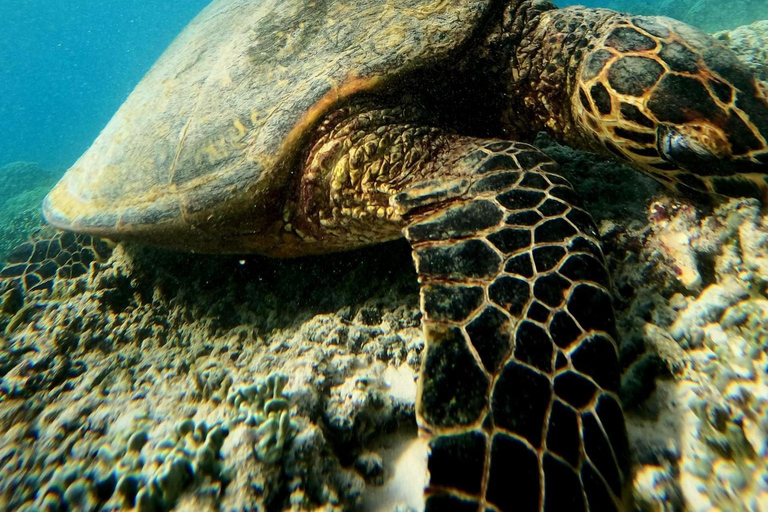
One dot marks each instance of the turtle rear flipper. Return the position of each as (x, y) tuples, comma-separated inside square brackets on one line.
[(51, 254), (520, 372)]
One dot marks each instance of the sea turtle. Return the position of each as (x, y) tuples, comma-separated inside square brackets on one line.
[(294, 127)]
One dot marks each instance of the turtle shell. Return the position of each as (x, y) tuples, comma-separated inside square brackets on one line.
[(205, 144)]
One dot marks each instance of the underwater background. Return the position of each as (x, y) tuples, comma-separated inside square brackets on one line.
[(65, 68), (707, 15)]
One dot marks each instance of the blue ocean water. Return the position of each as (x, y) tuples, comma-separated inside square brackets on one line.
[(65, 68)]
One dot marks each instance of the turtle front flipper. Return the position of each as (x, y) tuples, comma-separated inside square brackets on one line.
[(518, 391)]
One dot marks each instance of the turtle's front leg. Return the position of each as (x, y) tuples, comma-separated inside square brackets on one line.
[(520, 373), (519, 380)]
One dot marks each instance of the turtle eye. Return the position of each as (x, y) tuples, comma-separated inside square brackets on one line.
[(699, 167), (686, 152)]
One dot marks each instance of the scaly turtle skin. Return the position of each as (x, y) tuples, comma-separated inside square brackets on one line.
[(291, 127)]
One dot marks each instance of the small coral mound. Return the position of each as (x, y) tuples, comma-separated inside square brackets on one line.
[(750, 43), (265, 406), (147, 467)]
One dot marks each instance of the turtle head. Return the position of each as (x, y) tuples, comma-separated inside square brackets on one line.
[(675, 103)]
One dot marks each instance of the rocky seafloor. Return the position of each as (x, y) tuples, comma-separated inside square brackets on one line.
[(164, 381)]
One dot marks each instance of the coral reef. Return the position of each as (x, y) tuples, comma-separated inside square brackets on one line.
[(20, 177), (751, 45), (693, 311), (143, 384)]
